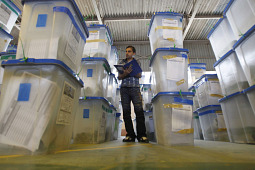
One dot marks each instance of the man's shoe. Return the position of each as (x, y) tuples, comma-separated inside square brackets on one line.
[(143, 139), (128, 139)]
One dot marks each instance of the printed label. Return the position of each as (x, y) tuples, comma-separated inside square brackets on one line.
[(170, 34), (174, 66), (5, 13), (93, 35), (66, 106), (73, 44), (181, 118)]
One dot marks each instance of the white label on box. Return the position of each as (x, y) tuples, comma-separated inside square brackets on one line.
[(181, 118), (73, 44), (5, 13), (221, 122), (66, 105), (170, 33), (215, 87), (93, 35), (175, 68), (24, 122)]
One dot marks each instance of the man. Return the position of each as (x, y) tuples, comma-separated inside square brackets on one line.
[(130, 91)]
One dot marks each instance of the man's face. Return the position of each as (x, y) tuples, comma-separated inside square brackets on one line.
[(129, 53)]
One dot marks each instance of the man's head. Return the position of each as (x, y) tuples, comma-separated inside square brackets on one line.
[(130, 51)]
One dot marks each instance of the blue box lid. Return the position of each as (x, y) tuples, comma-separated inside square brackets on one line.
[(249, 89), (98, 59), (246, 35), (106, 27), (32, 61), (95, 98), (230, 96), (118, 114), (11, 4), (228, 6), (168, 49), (162, 13), (218, 107), (6, 33), (172, 94), (215, 26), (75, 8), (223, 58)]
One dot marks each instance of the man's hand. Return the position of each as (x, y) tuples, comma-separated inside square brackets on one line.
[(125, 73)]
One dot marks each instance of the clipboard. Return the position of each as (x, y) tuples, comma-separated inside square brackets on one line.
[(135, 68)]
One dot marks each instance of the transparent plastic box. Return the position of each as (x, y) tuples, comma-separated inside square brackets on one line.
[(147, 96), (149, 124), (197, 127), (195, 100), (110, 123), (244, 48), (95, 72), (251, 96), (5, 39), (221, 38), (113, 59), (116, 126), (239, 118), (172, 116), (195, 71), (9, 14), (99, 42), (54, 30), (112, 88), (90, 120), (38, 104), (241, 16), (208, 90), (230, 74), (213, 123), (169, 70), (165, 30)]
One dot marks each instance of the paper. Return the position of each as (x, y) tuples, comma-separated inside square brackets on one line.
[(214, 87), (73, 44), (175, 68), (5, 14), (170, 33), (181, 118), (24, 122), (66, 106), (93, 35)]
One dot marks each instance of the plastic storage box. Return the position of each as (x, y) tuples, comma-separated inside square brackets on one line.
[(195, 100), (95, 72), (197, 127), (165, 30), (208, 90), (149, 124), (9, 14), (112, 88), (52, 29), (239, 118), (90, 120), (113, 59), (241, 16), (116, 126), (244, 48), (230, 74), (172, 115), (38, 104), (212, 123), (251, 96), (147, 96), (221, 38), (169, 70), (5, 39), (110, 123), (195, 71), (99, 42)]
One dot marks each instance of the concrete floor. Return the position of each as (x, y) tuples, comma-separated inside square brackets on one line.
[(119, 155)]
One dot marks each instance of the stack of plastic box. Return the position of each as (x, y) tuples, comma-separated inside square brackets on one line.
[(235, 66), (195, 71), (40, 96), (169, 80)]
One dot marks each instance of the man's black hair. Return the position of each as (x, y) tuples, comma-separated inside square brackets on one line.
[(133, 48)]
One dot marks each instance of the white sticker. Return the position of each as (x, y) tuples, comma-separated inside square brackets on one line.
[(170, 33), (214, 87), (181, 118), (24, 122), (93, 35), (5, 13), (170, 22), (221, 122), (73, 44), (175, 68), (66, 106)]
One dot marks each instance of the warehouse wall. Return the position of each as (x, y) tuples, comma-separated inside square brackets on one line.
[(199, 51)]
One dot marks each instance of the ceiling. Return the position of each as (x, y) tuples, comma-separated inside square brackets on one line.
[(129, 20)]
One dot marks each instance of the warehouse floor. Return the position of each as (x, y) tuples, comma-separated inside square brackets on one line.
[(119, 155)]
